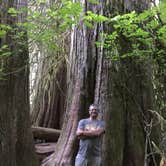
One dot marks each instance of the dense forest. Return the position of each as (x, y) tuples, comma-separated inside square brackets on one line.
[(59, 56)]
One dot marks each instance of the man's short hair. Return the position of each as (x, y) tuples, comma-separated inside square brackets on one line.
[(93, 107)]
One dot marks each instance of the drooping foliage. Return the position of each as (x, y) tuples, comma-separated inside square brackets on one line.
[(51, 35)]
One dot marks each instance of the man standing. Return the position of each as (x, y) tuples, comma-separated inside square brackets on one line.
[(90, 132)]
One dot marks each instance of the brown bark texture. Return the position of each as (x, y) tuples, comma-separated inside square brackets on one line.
[(65, 144), (49, 100), (129, 95), (81, 86), (16, 142)]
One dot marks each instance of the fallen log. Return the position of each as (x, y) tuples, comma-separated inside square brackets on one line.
[(46, 134), (43, 150)]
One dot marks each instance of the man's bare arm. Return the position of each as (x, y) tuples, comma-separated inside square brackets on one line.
[(89, 133)]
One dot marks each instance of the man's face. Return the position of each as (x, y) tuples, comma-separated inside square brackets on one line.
[(93, 113)]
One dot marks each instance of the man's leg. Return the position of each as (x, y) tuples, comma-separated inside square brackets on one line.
[(94, 161), (80, 161)]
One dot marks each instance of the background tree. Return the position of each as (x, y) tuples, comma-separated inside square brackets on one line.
[(140, 62), (16, 144), (49, 100)]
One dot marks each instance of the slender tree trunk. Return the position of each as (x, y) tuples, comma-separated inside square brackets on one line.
[(16, 143), (49, 100)]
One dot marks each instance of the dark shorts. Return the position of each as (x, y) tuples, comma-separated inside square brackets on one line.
[(89, 161)]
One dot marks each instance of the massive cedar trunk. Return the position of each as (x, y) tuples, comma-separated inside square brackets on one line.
[(64, 149), (81, 80), (16, 143), (129, 97)]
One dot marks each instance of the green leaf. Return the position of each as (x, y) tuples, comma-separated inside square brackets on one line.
[(5, 27), (88, 23), (5, 54), (40, 1), (2, 33), (95, 17), (162, 33), (4, 46), (93, 1), (13, 12)]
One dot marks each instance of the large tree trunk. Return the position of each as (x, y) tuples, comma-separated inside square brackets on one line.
[(16, 142), (81, 79), (129, 96)]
